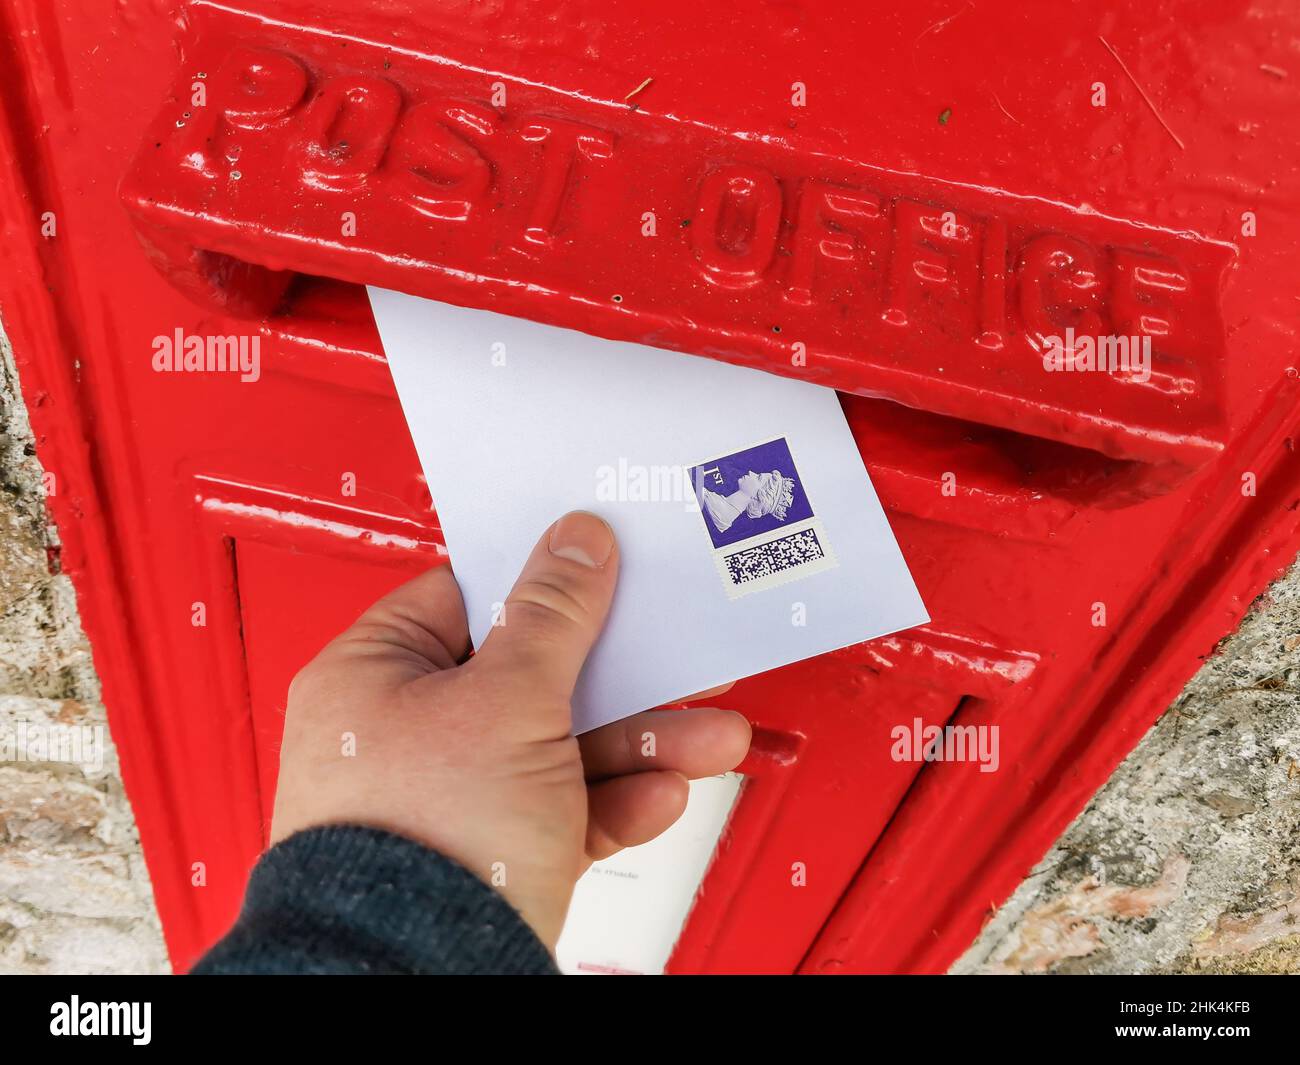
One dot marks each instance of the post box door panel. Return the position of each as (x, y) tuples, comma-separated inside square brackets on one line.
[(297, 569), (901, 203)]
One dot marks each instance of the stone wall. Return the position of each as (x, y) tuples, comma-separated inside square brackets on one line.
[(1188, 860), (74, 894)]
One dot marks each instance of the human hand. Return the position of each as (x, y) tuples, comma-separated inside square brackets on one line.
[(474, 757)]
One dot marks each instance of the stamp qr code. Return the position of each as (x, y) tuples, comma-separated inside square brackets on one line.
[(775, 556), (759, 518)]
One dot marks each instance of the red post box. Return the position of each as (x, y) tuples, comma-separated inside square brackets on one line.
[(906, 203)]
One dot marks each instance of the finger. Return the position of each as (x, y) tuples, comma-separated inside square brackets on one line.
[(556, 609), (421, 624), (694, 743), (708, 693), (629, 811)]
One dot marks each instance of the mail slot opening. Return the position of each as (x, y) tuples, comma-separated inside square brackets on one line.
[(932, 457), (915, 454)]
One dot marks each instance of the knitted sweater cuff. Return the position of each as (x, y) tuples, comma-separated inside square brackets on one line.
[(350, 899)]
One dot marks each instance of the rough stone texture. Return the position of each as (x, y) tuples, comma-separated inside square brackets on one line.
[(74, 894), (1188, 860)]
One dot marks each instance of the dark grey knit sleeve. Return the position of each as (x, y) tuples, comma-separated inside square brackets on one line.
[(347, 899)]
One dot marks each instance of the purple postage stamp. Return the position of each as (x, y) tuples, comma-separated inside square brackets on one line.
[(759, 518)]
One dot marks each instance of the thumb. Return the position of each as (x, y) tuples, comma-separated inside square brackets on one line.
[(556, 609)]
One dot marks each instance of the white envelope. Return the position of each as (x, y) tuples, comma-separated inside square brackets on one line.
[(727, 570)]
